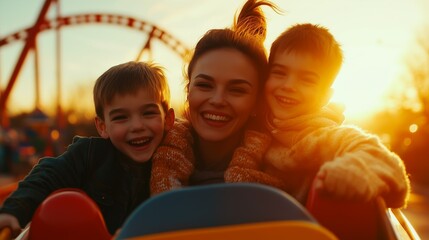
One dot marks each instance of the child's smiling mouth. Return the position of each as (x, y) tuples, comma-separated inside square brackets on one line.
[(140, 142), (287, 100)]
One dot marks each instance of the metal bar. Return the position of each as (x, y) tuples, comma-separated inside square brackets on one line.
[(29, 44)]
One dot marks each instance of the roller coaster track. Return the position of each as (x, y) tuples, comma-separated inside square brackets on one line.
[(29, 36), (115, 19)]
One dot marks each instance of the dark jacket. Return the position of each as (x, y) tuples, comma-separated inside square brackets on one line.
[(116, 183)]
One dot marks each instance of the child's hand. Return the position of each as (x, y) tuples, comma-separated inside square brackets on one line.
[(10, 221), (347, 181)]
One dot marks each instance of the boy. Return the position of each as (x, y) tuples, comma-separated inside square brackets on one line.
[(308, 141), (132, 104)]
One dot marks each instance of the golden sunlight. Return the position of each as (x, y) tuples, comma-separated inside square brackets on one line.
[(366, 77), (373, 58)]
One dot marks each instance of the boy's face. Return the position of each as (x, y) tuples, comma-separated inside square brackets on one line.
[(135, 123), (297, 85)]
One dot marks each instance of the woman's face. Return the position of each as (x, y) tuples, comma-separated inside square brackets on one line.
[(222, 93)]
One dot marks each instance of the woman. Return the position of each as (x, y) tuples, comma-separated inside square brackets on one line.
[(226, 75)]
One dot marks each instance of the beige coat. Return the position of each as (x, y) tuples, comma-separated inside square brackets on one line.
[(350, 163)]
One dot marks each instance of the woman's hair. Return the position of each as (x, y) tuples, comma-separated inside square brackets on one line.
[(128, 78), (246, 35)]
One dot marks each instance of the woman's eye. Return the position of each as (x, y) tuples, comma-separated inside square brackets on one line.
[(203, 85), (239, 90)]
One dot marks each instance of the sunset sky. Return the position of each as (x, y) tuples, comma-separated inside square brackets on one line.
[(376, 36)]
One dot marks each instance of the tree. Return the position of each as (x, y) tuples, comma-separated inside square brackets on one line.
[(412, 92), (409, 109)]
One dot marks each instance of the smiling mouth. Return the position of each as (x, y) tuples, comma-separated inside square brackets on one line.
[(215, 117), (140, 142), (285, 100)]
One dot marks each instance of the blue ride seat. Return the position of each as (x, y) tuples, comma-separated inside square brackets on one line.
[(214, 205)]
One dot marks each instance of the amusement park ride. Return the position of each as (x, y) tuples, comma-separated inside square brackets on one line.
[(225, 211), (29, 36)]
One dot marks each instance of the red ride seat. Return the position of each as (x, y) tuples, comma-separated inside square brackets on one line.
[(68, 214), (348, 220), (354, 220)]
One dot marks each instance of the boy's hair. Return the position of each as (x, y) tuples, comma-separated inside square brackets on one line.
[(128, 78), (311, 39)]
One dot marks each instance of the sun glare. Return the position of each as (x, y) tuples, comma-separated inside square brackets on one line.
[(366, 76), (372, 57)]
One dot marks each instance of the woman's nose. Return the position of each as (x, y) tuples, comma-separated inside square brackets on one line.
[(218, 98)]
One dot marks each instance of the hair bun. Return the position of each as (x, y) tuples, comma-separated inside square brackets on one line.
[(251, 19)]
